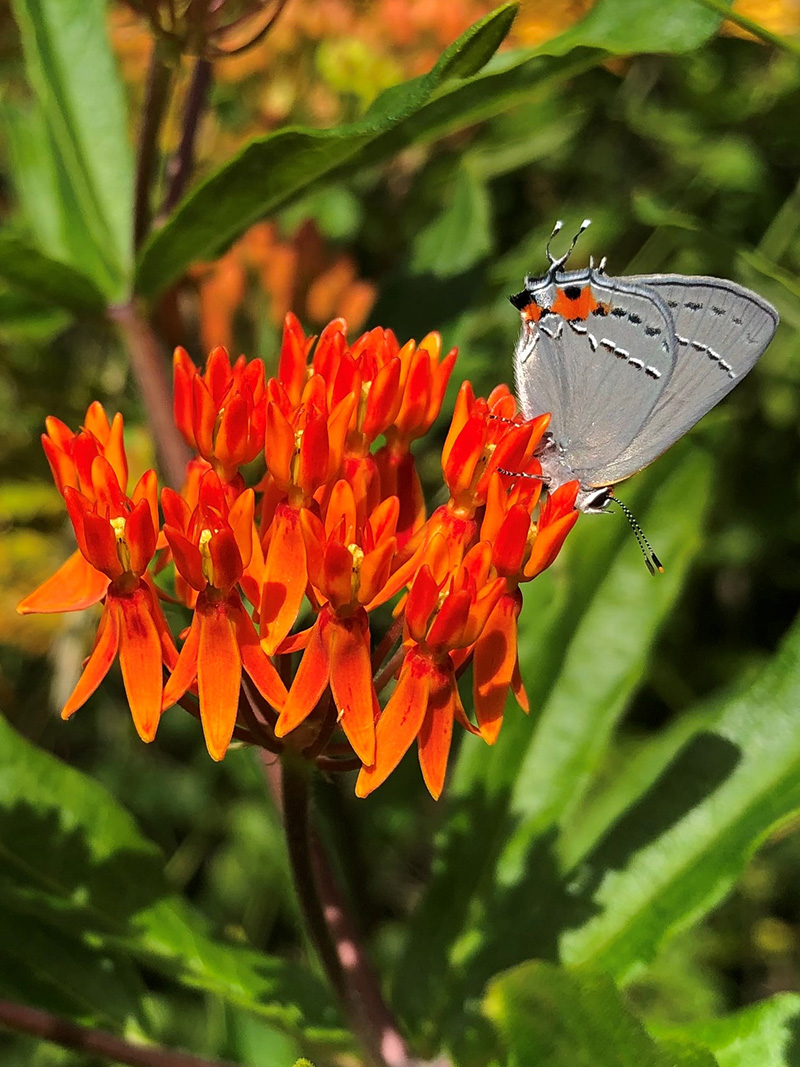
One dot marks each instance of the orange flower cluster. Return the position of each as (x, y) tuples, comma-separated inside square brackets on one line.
[(287, 580)]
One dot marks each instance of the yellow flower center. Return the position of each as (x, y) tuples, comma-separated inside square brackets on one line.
[(123, 552), (205, 555), (357, 553)]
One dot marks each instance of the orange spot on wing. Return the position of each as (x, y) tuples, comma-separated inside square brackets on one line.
[(577, 308), (531, 312)]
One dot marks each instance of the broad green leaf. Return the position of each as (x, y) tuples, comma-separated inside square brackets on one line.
[(51, 281), (74, 861), (763, 1035), (271, 170), (74, 75), (49, 209), (677, 850), (587, 629), (461, 236), (552, 1017)]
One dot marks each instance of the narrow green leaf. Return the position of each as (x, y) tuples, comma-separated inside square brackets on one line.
[(586, 633), (677, 851), (74, 75), (46, 279), (763, 1035), (71, 858), (552, 1017), (271, 170)]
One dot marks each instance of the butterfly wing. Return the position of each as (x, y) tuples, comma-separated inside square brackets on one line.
[(599, 377), (721, 330)]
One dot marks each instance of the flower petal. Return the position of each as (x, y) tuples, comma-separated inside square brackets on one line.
[(351, 683), (185, 670), (140, 660), (493, 665), (254, 660), (75, 585), (400, 722), (219, 676), (285, 578), (308, 685), (436, 732), (98, 665)]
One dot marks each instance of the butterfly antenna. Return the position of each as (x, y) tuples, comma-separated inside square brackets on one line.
[(651, 559), (550, 258), (555, 263)]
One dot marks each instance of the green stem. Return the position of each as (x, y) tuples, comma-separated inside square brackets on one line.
[(91, 1042)]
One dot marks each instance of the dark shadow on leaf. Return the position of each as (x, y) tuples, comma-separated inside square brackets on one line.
[(526, 918)]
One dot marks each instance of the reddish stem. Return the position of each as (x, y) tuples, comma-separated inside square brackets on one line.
[(91, 1042)]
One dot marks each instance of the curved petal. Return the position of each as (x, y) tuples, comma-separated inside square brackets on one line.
[(548, 543), (219, 676), (308, 685), (254, 660), (399, 724), (140, 660), (98, 665), (185, 670), (351, 683), (436, 732), (493, 666), (285, 578), (75, 585)]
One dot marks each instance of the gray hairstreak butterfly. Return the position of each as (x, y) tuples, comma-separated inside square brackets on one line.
[(626, 366)]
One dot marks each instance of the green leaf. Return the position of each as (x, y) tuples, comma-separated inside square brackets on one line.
[(552, 1017), (74, 861), (677, 851), (610, 28), (73, 72), (271, 170), (461, 236), (643, 26), (47, 279), (586, 632), (765, 1034)]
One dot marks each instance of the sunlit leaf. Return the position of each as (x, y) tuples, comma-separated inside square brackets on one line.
[(552, 1017), (74, 75)]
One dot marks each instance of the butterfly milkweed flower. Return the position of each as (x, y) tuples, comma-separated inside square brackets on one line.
[(117, 535), (351, 609), (211, 547)]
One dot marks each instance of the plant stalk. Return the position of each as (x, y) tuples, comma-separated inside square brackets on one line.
[(159, 80), (182, 165), (91, 1042), (330, 925)]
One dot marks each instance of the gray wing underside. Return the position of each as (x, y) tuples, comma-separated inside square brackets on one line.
[(600, 379), (721, 330)]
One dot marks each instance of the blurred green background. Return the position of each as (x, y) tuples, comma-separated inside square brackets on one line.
[(685, 162)]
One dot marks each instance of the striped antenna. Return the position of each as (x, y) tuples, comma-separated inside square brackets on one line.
[(650, 558)]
